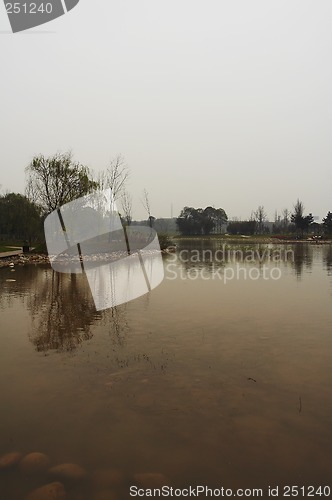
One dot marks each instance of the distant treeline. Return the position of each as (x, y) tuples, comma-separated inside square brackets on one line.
[(192, 221), (57, 180)]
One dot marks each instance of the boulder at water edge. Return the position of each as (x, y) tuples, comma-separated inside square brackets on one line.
[(34, 463), (71, 472), (52, 491), (10, 459)]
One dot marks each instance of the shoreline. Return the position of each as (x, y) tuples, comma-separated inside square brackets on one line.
[(23, 259), (253, 240)]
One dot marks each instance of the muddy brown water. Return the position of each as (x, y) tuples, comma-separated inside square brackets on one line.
[(212, 382)]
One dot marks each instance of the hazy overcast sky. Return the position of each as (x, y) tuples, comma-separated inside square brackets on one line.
[(214, 102)]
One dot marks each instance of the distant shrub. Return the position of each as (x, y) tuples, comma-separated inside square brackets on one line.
[(164, 240)]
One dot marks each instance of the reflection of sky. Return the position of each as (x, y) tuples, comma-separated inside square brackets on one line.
[(299, 259), (183, 366), (117, 282)]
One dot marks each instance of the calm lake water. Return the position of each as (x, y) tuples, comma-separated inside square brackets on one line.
[(221, 376)]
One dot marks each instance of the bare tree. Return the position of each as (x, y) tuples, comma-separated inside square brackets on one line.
[(146, 205), (260, 217), (31, 191), (285, 219), (146, 202), (115, 177), (277, 217), (126, 202)]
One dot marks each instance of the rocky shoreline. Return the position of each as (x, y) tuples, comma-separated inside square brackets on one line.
[(254, 240), (41, 258), (36, 258), (23, 259), (34, 476)]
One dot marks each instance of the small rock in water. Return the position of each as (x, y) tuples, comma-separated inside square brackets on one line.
[(106, 495), (150, 480), (34, 463), (52, 491), (10, 459), (72, 472), (107, 478)]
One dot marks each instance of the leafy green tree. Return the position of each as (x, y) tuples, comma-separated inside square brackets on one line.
[(327, 223), (213, 219), (188, 221), (196, 221), (57, 180), (207, 220), (246, 227), (302, 222), (20, 219)]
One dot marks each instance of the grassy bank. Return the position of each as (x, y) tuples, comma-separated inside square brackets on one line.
[(7, 245), (240, 239)]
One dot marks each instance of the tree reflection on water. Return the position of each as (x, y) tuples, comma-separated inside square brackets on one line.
[(62, 312), (327, 259), (303, 258), (61, 307)]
